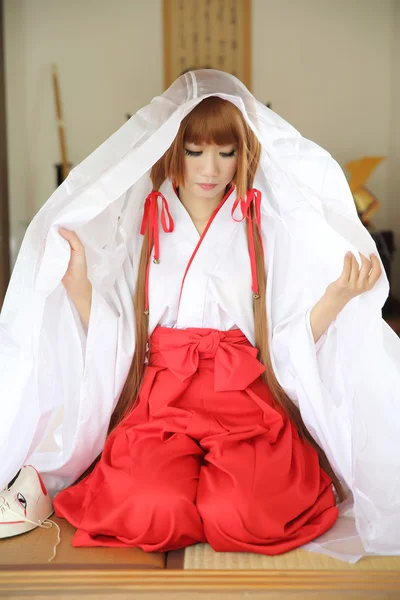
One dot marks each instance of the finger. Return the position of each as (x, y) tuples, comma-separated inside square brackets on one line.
[(366, 267), (354, 272), (72, 238), (375, 273), (345, 275)]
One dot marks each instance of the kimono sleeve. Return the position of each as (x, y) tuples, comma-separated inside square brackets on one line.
[(347, 386), (87, 368), (309, 372)]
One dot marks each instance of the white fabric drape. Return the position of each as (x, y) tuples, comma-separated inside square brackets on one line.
[(58, 381)]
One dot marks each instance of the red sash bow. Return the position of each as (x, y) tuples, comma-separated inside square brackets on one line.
[(235, 359)]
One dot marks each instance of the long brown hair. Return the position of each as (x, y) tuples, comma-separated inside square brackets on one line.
[(213, 121)]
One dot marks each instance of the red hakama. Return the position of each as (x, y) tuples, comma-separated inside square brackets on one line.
[(205, 456)]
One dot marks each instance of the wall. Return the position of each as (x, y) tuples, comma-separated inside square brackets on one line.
[(109, 57), (329, 69)]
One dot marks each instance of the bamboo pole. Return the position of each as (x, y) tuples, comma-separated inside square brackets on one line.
[(60, 124)]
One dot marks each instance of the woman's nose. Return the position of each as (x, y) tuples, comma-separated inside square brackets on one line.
[(210, 165)]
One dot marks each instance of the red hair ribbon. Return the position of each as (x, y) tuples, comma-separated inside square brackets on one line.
[(150, 219), (252, 196)]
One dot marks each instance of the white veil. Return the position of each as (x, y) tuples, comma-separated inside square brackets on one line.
[(59, 384)]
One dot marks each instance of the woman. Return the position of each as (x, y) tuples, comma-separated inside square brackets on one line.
[(245, 479)]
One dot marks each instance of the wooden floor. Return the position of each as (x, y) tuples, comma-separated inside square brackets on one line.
[(33, 550), (99, 573)]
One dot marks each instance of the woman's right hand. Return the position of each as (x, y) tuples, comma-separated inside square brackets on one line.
[(75, 280)]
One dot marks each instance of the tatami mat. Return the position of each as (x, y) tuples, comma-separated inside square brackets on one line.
[(36, 547), (202, 556)]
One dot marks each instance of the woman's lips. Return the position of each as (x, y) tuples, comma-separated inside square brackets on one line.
[(207, 186)]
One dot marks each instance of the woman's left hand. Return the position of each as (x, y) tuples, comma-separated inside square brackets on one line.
[(354, 280)]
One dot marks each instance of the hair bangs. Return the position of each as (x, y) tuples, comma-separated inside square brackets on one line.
[(213, 121)]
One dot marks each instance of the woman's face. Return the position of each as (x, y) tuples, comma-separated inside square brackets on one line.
[(208, 169)]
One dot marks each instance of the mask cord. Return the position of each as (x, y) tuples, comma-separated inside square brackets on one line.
[(46, 524)]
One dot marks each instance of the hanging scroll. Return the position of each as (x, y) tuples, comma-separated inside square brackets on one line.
[(202, 34)]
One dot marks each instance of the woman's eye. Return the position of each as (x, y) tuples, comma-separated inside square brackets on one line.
[(223, 154), (191, 153), (22, 500)]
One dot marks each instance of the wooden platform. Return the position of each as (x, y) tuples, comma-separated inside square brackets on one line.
[(194, 573), (33, 550)]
